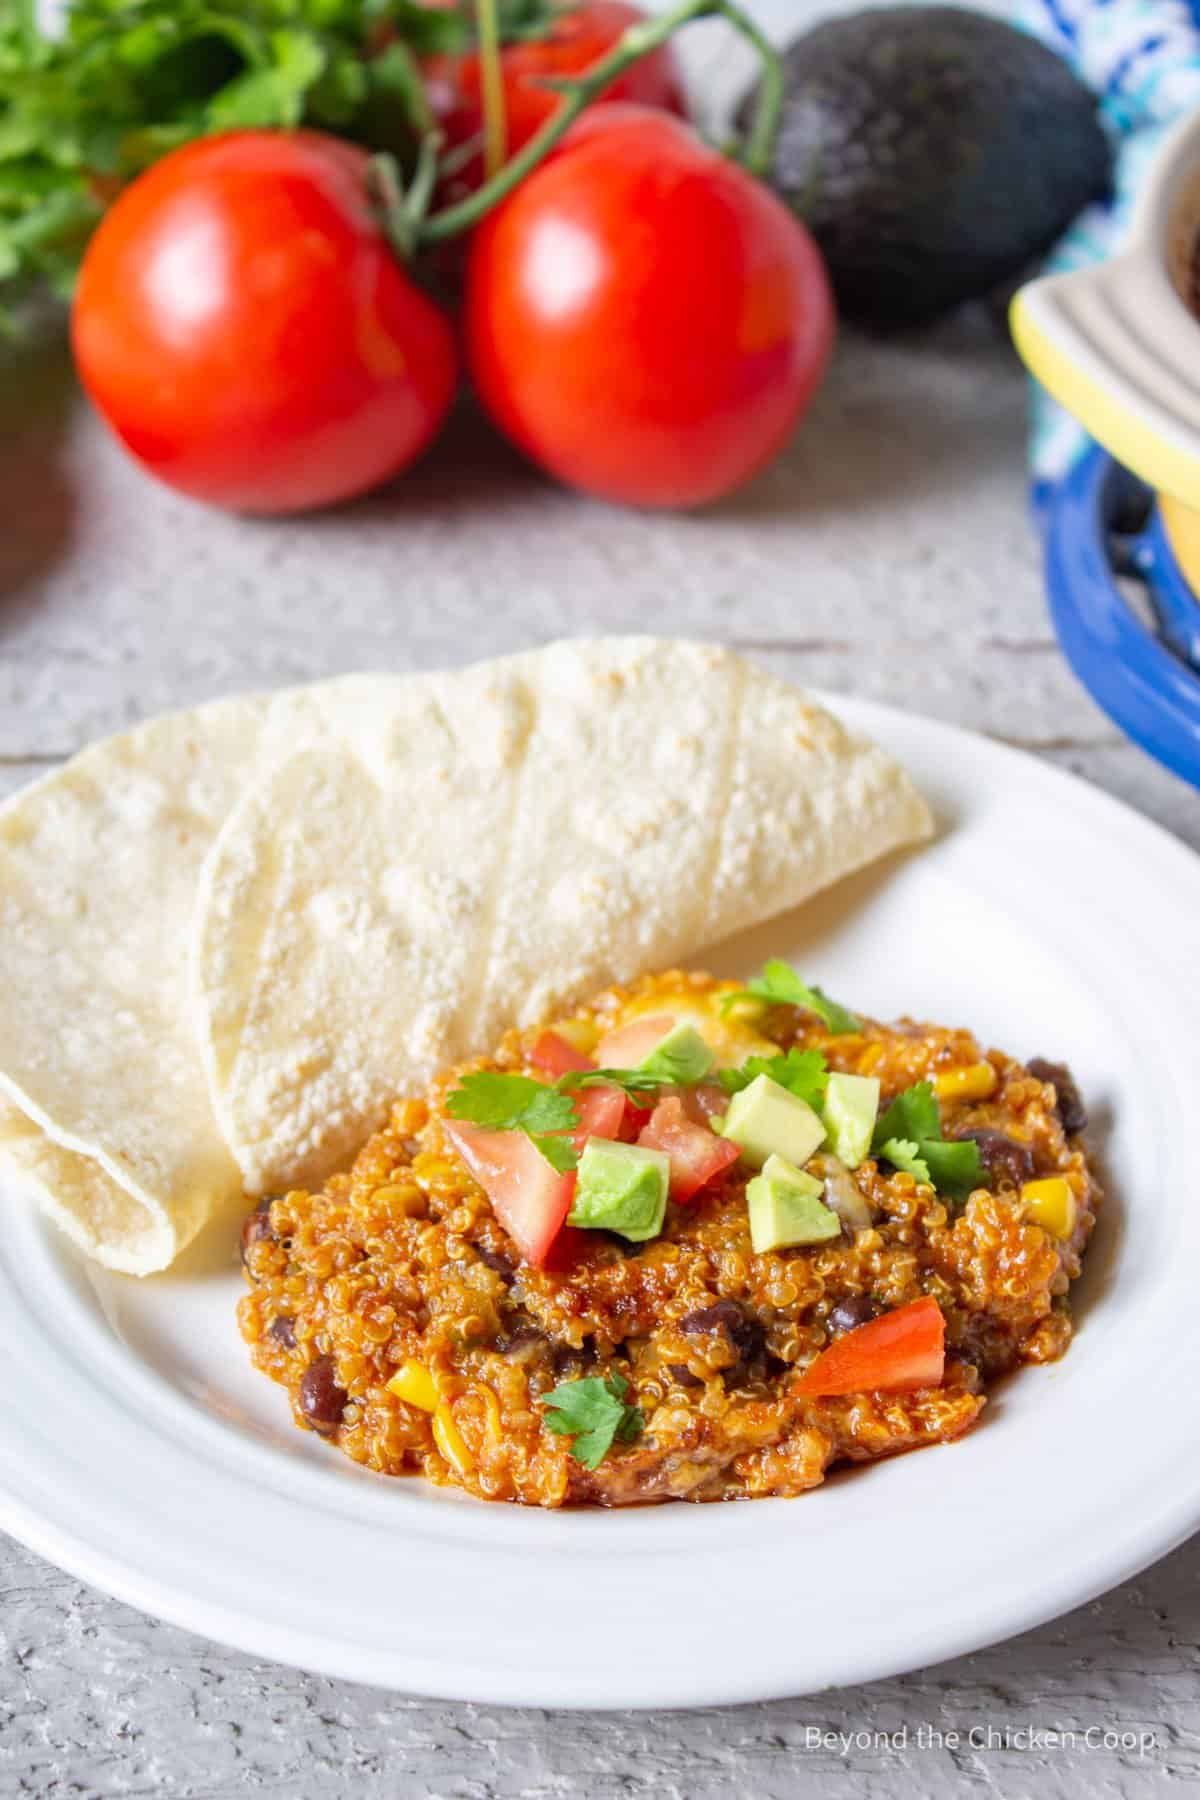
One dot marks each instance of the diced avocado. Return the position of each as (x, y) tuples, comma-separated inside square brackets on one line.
[(785, 1208), (851, 1107), (682, 1058), (622, 1188), (764, 1119)]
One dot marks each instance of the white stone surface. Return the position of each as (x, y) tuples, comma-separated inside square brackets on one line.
[(887, 554)]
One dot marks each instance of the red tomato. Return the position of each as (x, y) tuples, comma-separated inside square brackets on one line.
[(643, 318), (697, 1154), (631, 1044), (530, 1199), (245, 328), (577, 39), (601, 1113), (704, 1102), (554, 1056), (895, 1353)]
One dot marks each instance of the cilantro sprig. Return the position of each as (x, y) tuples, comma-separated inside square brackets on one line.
[(501, 1102), (804, 1073), (633, 1082), (594, 1412), (909, 1136), (123, 82), (779, 985)]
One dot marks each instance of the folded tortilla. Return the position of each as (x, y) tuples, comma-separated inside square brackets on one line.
[(494, 843), (229, 938)]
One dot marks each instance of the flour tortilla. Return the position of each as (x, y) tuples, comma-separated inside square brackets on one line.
[(105, 1112), (449, 855)]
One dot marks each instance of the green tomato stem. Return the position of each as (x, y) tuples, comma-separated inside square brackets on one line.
[(495, 123), (638, 41)]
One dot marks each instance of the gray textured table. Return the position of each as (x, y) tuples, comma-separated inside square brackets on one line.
[(888, 554)]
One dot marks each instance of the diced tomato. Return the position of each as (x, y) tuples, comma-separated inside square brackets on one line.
[(895, 1353), (601, 1113), (530, 1199), (704, 1102), (554, 1056), (631, 1044), (697, 1154)]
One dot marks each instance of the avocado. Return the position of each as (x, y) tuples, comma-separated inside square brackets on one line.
[(764, 1119), (682, 1058), (933, 153), (850, 1109), (621, 1188), (785, 1208)]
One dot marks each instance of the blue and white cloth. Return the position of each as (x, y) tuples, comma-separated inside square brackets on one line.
[(1142, 58)]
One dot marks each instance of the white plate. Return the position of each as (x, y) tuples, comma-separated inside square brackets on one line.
[(139, 1450)]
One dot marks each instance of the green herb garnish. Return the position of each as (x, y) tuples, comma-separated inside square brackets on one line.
[(909, 1135), (633, 1082), (802, 1072), (518, 1103), (594, 1413), (780, 985)]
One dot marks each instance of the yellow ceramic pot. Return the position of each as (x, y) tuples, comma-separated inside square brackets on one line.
[(1119, 345)]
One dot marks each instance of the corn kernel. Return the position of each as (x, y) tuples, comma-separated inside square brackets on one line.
[(1051, 1204), (581, 1034), (449, 1440), (414, 1383), (975, 1082)]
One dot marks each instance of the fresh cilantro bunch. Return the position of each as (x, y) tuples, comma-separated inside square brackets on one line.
[(780, 985), (125, 81), (909, 1135), (594, 1413)]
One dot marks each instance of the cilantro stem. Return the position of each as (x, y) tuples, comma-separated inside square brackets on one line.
[(638, 41)]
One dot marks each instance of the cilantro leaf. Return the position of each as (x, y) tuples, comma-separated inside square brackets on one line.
[(905, 1153), (803, 1072), (559, 1152), (511, 1103), (502, 1102), (912, 1114), (780, 985), (955, 1167), (909, 1135), (593, 1412)]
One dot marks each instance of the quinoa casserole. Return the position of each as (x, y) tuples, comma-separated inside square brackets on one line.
[(697, 1241)]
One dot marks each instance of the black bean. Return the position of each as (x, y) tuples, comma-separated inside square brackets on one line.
[(322, 1401), (283, 1330), (1069, 1104), (1005, 1161), (496, 1261), (256, 1227), (684, 1376), (850, 1313), (744, 1333), (566, 1360)]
